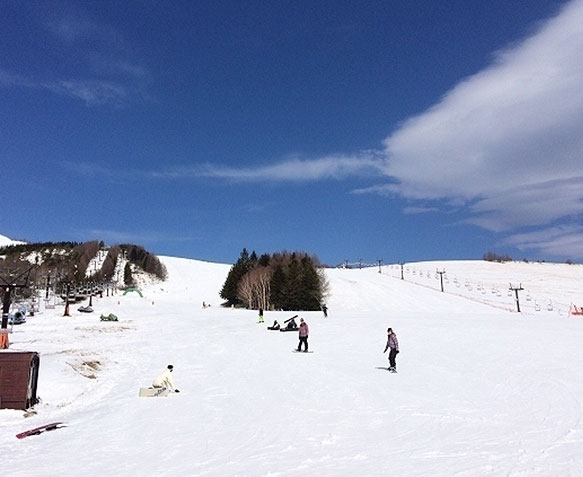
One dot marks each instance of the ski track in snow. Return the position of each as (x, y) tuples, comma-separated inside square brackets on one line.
[(480, 390)]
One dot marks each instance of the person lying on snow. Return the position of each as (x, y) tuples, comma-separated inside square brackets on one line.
[(164, 380), (275, 326)]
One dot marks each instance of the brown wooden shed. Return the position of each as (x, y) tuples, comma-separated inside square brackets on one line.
[(18, 379)]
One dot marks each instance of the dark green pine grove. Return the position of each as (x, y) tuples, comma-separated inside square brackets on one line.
[(282, 281)]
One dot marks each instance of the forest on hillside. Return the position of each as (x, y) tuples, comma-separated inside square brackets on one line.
[(281, 281), (67, 262)]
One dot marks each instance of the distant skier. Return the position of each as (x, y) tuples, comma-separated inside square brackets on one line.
[(260, 315), (325, 310), (164, 380), (393, 344), (303, 333)]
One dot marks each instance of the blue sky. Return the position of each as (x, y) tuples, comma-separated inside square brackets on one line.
[(366, 130)]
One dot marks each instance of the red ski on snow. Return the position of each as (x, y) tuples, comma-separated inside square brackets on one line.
[(39, 430)]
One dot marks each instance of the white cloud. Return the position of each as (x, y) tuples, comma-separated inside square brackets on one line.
[(292, 169), (505, 145), (508, 141), (92, 92), (419, 210), (566, 240)]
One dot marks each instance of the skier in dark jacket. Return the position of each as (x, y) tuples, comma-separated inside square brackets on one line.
[(393, 344)]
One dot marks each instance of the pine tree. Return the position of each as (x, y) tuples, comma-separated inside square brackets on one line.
[(309, 286), (278, 281), (128, 279), (229, 291), (292, 296)]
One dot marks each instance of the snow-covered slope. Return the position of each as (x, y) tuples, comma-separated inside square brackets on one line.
[(4, 241), (481, 390)]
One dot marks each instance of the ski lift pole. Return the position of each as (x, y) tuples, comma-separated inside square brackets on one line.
[(48, 286), (10, 284), (516, 290), (441, 278), (66, 313), (4, 342)]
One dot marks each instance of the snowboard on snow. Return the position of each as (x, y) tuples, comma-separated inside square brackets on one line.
[(154, 392), (39, 430), (296, 351)]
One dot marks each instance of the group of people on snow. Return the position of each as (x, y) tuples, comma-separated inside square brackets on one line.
[(165, 379), (291, 325)]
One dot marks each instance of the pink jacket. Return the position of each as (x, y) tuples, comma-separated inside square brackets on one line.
[(303, 329), (392, 342)]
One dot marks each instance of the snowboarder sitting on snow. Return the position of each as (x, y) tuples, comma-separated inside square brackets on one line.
[(292, 325), (275, 326), (392, 343), (303, 335), (164, 380)]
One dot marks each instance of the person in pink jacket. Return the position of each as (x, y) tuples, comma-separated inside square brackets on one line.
[(303, 335), (393, 344)]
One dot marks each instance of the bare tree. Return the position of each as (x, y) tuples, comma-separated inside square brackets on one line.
[(245, 290), (262, 286), (255, 288)]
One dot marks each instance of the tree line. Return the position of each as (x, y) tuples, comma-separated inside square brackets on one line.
[(68, 261), (281, 281)]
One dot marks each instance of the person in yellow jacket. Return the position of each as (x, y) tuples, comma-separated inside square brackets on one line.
[(165, 380)]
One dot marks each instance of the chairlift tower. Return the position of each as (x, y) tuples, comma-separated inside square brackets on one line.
[(12, 279), (516, 290), (441, 277)]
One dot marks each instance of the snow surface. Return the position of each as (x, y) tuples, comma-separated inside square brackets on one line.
[(481, 390), (5, 241)]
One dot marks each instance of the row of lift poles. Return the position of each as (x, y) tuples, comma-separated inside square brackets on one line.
[(441, 273), (14, 281)]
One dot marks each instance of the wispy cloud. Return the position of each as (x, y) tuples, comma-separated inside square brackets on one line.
[(71, 26), (93, 171), (109, 73), (419, 210), (292, 169), (90, 91), (554, 241)]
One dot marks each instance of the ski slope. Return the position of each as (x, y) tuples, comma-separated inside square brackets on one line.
[(481, 390)]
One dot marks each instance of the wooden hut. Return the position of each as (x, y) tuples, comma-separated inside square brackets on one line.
[(18, 379)]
